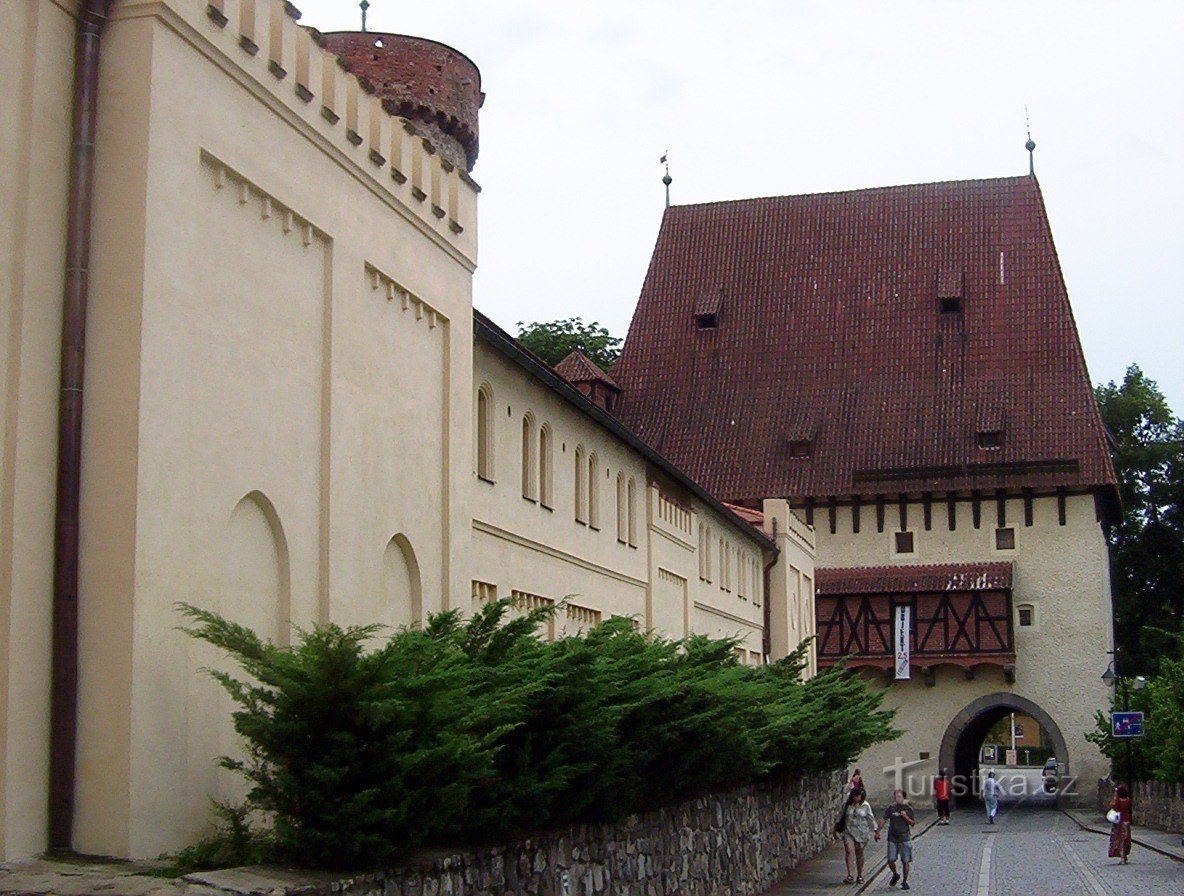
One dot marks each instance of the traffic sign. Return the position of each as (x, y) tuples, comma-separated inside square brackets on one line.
[(1126, 724)]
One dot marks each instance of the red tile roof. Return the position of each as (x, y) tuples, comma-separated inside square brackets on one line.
[(930, 579), (829, 332), (755, 517), (579, 368)]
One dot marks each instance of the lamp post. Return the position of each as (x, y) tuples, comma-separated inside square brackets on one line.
[(1111, 677)]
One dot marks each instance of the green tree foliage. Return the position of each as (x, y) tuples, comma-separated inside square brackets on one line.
[(475, 730), (1147, 546), (555, 340), (1159, 753)]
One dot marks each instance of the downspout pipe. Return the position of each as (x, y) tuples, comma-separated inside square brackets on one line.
[(63, 735), (767, 633)]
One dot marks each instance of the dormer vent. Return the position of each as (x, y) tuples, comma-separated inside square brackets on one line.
[(950, 289), (707, 309)]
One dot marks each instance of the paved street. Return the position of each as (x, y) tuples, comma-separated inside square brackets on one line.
[(1032, 850)]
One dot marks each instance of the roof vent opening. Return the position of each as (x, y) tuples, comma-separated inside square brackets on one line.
[(707, 321), (989, 439), (801, 447), (951, 305), (950, 289)]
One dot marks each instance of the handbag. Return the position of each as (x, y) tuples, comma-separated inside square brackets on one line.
[(841, 823), (1113, 816)]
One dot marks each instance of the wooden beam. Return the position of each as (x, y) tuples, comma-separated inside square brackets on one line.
[(1027, 507), (1001, 507), (952, 510), (976, 508), (1061, 506), (902, 503), (833, 511), (927, 510), (809, 511), (855, 515), (879, 513)]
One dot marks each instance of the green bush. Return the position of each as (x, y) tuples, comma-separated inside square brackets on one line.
[(476, 731)]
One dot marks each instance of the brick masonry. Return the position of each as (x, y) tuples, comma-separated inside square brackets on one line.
[(1156, 803)]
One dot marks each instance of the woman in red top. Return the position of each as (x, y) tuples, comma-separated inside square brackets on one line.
[(941, 793), (1120, 831)]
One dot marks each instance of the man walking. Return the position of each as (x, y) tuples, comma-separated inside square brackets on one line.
[(991, 790), (900, 818)]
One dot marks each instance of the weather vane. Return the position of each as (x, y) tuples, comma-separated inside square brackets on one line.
[(365, 5), (1030, 146), (666, 178)]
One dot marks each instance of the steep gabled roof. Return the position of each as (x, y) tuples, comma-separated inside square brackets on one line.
[(579, 368), (830, 368)]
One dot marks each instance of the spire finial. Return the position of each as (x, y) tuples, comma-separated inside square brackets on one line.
[(364, 5), (1030, 146), (666, 178)]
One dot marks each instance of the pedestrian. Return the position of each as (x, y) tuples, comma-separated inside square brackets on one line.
[(856, 781), (855, 825), (900, 818), (941, 793), (1120, 827), (991, 790)]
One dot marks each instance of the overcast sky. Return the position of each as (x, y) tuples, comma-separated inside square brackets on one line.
[(771, 98)]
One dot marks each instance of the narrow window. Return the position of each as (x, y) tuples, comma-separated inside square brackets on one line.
[(707, 555), (723, 565), (622, 521), (1026, 613), (1005, 539), (530, 489), (904, 542), (581, 493), (702, 567), (631, 498), (485, 433), (593, 492), (546, 468)]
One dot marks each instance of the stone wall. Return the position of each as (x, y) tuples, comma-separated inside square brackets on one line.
[(735, 843), (1156, 804)]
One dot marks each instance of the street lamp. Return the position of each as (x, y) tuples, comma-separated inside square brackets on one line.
[(1111, 677)]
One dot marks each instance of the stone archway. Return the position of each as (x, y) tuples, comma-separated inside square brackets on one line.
[(964, 735)]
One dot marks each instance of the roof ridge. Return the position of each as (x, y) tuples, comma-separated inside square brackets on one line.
[(1017, 180)]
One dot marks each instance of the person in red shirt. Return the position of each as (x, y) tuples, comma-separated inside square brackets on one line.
[(1120, 831), (941, 793)]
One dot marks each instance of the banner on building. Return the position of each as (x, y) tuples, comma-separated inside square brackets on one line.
[(903, 614)]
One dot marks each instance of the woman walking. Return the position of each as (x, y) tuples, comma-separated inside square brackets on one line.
[(1120, 829), (855, 825)]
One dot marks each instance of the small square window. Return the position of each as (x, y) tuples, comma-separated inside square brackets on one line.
[(1005, 539), (708, 321), (990, 438), (904, 542), (951, 305), (801, 448), (1025, 616)]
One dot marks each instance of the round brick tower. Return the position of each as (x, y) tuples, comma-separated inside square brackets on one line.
[(430, 84)]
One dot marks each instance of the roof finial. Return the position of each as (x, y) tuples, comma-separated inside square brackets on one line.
[(1030, 146), (365, 5), (666, 178)]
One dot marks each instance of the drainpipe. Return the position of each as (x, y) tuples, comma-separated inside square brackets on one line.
[(63, 732), (767, 634)]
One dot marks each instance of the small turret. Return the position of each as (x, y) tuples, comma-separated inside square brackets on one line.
[(428, 83)]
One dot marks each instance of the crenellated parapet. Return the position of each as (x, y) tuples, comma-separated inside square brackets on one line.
[(396, 155)]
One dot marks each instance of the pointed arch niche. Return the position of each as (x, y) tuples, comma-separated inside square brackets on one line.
[(401, 592), (256, 571)]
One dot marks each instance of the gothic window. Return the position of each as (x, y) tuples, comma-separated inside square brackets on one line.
[(485, 432), (530, 485), (622, 510), (581, 486), (631, 499), (546, 468), (593, 492)]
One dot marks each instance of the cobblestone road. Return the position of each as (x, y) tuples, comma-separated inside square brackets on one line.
[(1032, 852)]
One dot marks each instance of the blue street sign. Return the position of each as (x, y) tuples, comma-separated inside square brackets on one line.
[(1126, 724)]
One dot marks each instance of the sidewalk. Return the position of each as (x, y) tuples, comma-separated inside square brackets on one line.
[(1149, 838), (825, 872)]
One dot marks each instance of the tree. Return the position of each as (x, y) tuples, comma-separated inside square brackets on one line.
[(1147, 546), (555, 340)]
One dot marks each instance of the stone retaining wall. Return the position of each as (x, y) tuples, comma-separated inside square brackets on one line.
[(1156, 804), (737, 843)]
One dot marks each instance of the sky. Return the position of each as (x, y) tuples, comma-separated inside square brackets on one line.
[(759, 98)]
